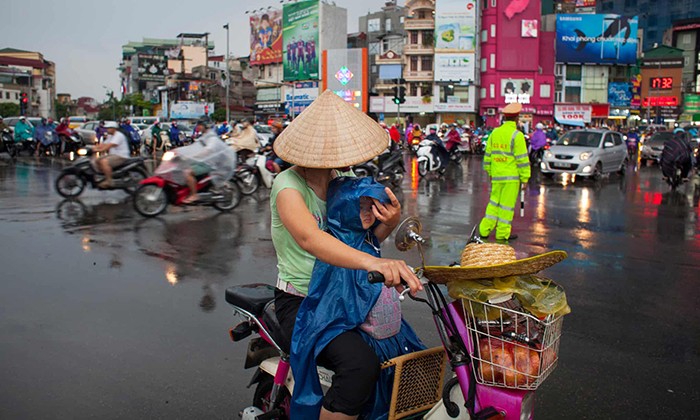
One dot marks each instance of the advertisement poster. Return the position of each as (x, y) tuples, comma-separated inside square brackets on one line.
[(152, 67), (636, 82), (300, 40), (299, 97), (597, 39), (692, 104), (455, 25), (528, 28), (190, 110), (619, 94), (577, 115), (266, 38), (517, 90), (454, 67), (344, 75)]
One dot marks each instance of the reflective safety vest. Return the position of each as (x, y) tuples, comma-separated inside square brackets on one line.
[(506, 158)]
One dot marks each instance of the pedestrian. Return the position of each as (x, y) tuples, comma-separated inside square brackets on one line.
[(506, 161)]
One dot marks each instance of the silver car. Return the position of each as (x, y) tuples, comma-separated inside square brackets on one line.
[(654, 145), (588, 153)]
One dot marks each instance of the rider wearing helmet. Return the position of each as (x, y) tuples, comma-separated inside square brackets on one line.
[(676, 153)]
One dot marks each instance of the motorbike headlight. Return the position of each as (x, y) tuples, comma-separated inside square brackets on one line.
[(168, 156), (82, 152), (585, 155), (548, 154)]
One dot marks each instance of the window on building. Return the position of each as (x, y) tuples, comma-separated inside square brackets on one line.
[(269, 71), (651, 34), (545, 91), (630, 3), (414, 37), (413, 89), (484, 35), (492, 91), (7, 95), (16, 95), (401, 20), (422, 14), (493, 30), (557, 96), (426, 63), (483, 64), (374, 48), (414, 63), (573, 73), (572, 94), (385, 46), (493, 3), (493, 60), (686, 61), (652, 20), (558, 69), (685, 39), (483, 93), (427, 37), (374, 69), (373, 25), (387, 25)]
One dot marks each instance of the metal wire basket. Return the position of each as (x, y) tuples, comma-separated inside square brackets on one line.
[(511, 348), (418, 382)]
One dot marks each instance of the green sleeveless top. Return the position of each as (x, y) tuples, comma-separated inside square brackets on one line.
[(293, 263)]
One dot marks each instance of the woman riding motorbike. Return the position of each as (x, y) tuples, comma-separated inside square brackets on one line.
[(537, 143), (298, 208)]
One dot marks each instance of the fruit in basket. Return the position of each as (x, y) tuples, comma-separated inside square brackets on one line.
[(505, 363)]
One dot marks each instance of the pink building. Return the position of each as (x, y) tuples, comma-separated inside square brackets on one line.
[(517, 61)]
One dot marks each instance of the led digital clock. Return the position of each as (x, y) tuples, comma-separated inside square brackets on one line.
[(661, 83)]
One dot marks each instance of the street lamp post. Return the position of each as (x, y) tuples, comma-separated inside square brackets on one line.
[(228, 75)]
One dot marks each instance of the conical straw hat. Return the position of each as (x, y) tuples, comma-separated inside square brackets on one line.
[(331, 134), (485, 261)]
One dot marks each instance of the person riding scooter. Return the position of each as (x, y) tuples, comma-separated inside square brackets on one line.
[(23, 130), (454, 138), (439, 152), (537, 143), (117, 147), (677, 153), (246, 139)]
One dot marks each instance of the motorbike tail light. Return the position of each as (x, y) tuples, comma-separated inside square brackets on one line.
[(240, 331), (546, 147)]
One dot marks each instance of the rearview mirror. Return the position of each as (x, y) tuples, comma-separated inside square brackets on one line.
[(608, 144)]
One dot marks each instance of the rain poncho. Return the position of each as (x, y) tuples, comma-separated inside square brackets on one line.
[(339, 300), (209, 151), (46, 134), (23, 131), (538, 140), (246, 139)]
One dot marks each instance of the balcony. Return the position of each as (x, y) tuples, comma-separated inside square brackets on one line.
[(409, 24), (418, 76), (418, 49)]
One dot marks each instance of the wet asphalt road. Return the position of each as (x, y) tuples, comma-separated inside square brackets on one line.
[(106, 314)]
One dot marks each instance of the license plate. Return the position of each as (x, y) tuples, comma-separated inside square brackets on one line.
[(564, 165)]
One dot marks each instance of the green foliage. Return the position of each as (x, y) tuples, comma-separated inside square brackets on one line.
[(61, 110), (9, 109), (219, 114)]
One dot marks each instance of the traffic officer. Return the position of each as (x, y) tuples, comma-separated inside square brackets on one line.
[(507, 164)]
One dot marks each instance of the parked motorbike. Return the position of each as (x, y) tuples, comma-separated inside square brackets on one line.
[(427, 160), (471, 393), (73, 179), (253, 172), (155, 193), (7, 143), (387, 167)]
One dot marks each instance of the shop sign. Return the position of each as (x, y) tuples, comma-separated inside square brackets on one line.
[(573, 114)]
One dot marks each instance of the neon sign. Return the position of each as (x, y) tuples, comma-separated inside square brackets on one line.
[(344, 75), (662, 83)]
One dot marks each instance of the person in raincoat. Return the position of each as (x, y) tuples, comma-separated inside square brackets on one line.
[(246, 139), (175, 134), (340, 300), (298, 228), (23, 130), (45, 134), (507, 163)]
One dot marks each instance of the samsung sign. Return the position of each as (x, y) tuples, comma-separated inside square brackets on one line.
[(597, 39)]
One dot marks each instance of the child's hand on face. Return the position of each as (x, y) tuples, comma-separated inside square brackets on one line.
[(388, 214)]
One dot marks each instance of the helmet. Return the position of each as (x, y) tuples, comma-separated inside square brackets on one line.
[(678, 130), (111, 124), (539, 126)]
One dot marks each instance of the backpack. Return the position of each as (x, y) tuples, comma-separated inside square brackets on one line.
[(129, 140)]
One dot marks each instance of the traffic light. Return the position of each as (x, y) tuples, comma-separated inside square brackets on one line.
[(402, 94), (399, 92), (396, 95), (23, 103)]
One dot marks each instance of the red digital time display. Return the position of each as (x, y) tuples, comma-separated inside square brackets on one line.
[(662, 83)]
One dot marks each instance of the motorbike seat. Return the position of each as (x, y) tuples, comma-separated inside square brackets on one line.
[(129, 161), (251, 297), (273, 327)]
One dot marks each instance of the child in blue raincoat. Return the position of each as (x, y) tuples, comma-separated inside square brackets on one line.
[(341, 299)]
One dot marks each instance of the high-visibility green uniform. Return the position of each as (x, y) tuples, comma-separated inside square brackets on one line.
[(507, 163)]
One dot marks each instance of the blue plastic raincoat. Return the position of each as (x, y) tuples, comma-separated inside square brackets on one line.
[(46, 134), (339, 300)]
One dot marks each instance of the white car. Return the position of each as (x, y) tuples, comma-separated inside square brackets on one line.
[(588, 153)]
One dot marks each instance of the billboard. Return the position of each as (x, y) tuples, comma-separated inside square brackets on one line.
[(300, 40), (266, 38), (344, 73), (517, 90), (454, 67), (619, 94), (299, 97), (152, 67), (455, 25), (573, 114), (597, 39), (190, 110)]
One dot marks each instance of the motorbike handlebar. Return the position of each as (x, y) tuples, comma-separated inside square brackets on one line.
[(375, 277)]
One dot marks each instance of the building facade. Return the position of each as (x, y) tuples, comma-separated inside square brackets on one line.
[(516, 63), (28, 73)]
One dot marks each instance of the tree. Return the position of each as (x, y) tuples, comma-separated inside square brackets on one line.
[(9, 109), (219, 114), (62, 110)]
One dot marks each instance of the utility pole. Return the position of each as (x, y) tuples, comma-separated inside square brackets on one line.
[(227, 82)]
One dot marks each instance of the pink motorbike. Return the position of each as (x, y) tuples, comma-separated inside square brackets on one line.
[(473, 334)]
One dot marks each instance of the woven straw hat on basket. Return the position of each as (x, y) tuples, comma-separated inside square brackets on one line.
[(485, 261), (331, 134)]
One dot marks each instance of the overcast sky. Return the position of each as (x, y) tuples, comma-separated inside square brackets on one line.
[(84, 37)]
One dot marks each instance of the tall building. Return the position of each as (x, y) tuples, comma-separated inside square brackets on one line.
[(686, 36), (26, 74), (655, 16), (384, 32), (516, 63)]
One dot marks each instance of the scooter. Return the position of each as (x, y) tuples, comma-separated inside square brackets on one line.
[(537, 155), (463, 332), (253, 172), (7, 143), (70, 141), (427, 161), (154, 194), (27, 143), (74, 179), (387, 167)]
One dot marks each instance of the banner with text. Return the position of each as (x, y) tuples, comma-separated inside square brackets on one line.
[(577, 115), (300, 40), (454, 67), (455, 25), (598, 39), (619, 94), (299, 97)]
